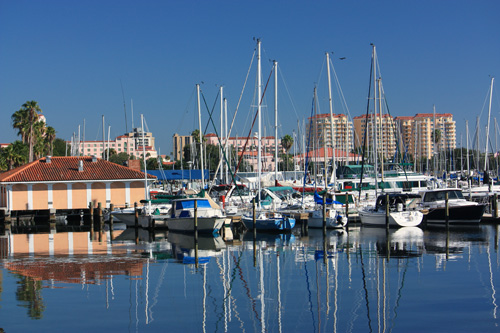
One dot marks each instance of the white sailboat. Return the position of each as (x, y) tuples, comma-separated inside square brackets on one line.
[(264, 220)]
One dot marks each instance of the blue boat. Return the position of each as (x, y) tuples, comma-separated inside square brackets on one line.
[(269, 221)]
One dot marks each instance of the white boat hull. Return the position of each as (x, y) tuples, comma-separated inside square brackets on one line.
[(396, 219), (205, 224), (144, 221)]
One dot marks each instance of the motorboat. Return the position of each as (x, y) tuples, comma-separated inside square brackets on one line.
[(461, 211), (268, 221), (209, 217), (401, 211), (334, 220)]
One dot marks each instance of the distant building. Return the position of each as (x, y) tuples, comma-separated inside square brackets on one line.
[(66, 183), (178, 144), (323, 134), (417, 133), (250, 155), (385, 129), (130, 143)]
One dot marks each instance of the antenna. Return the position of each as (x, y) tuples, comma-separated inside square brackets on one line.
[(124, 107)]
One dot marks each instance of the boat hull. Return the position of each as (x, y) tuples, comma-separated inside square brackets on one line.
[(144, 221), (206, 225), (464, 214), (269, 224), (396, 219)]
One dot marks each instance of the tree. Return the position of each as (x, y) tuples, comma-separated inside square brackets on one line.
[(120, 158), (13, 155), (287, 142), (50, 136), (32, 110), (60, 148)]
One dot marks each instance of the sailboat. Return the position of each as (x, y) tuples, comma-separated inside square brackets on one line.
[(264, 220), (392, 209)]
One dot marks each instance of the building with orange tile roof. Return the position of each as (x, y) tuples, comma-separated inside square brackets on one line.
[(65, 183)]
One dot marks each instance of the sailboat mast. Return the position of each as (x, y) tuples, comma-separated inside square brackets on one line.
[(226, 142), (221, 161), (259, 93), (382, 155), (146, 194), (374, 120), (488, 127), (334, 162), (201, 137), (276, 121)]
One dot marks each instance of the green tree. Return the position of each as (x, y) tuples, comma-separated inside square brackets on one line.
[(60, 148), (120, 158), (287, 143), (50, 136), (32, 112), (14, 155)]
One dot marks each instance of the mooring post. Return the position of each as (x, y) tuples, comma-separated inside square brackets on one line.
[(91, 212), (136, 216), (100, 220), (347, 211), (254, 219), (324, 213), (446, 210), (387, 210), (495, 205), (111, 207), (196, 233)]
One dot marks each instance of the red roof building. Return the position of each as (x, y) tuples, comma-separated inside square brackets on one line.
[(70, 183)]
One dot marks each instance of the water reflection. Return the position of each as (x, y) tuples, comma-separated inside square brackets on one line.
[(367, 279)]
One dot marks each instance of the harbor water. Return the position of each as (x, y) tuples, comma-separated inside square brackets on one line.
[(360, 280)]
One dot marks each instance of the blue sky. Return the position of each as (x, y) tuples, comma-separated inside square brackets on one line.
[(73, 57)]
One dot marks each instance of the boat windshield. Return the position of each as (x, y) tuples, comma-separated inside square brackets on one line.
[(440, 195)]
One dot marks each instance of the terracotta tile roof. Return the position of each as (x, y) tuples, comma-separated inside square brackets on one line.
[(66, 169)]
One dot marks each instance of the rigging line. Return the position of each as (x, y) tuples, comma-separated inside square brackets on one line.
[(239, 191), (253, 123), (395, 133), (186, 110), (396, 306), (309, 290), (307, 153), (366, 289), (366, 130), (124, 107), (241, 94), (233, 277)]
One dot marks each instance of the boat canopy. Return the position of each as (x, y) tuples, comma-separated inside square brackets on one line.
[(319, 200), (189, 204), (178, 174), (395, 198)]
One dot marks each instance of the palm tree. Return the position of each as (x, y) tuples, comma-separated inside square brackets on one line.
[(13, 155), (50, 136), (19, 122), (29, 112), (287, 143), (40, 146)]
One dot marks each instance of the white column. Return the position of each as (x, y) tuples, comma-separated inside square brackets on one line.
[(89, 192), (30, 197), (9, 197), (127, 193), (69, 192), (50, 196), (108, 194)]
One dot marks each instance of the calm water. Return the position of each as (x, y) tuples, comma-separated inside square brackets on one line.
[(412, 281)]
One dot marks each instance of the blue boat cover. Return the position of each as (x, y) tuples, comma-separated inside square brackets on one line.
[(178, 174), (319, 200)]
